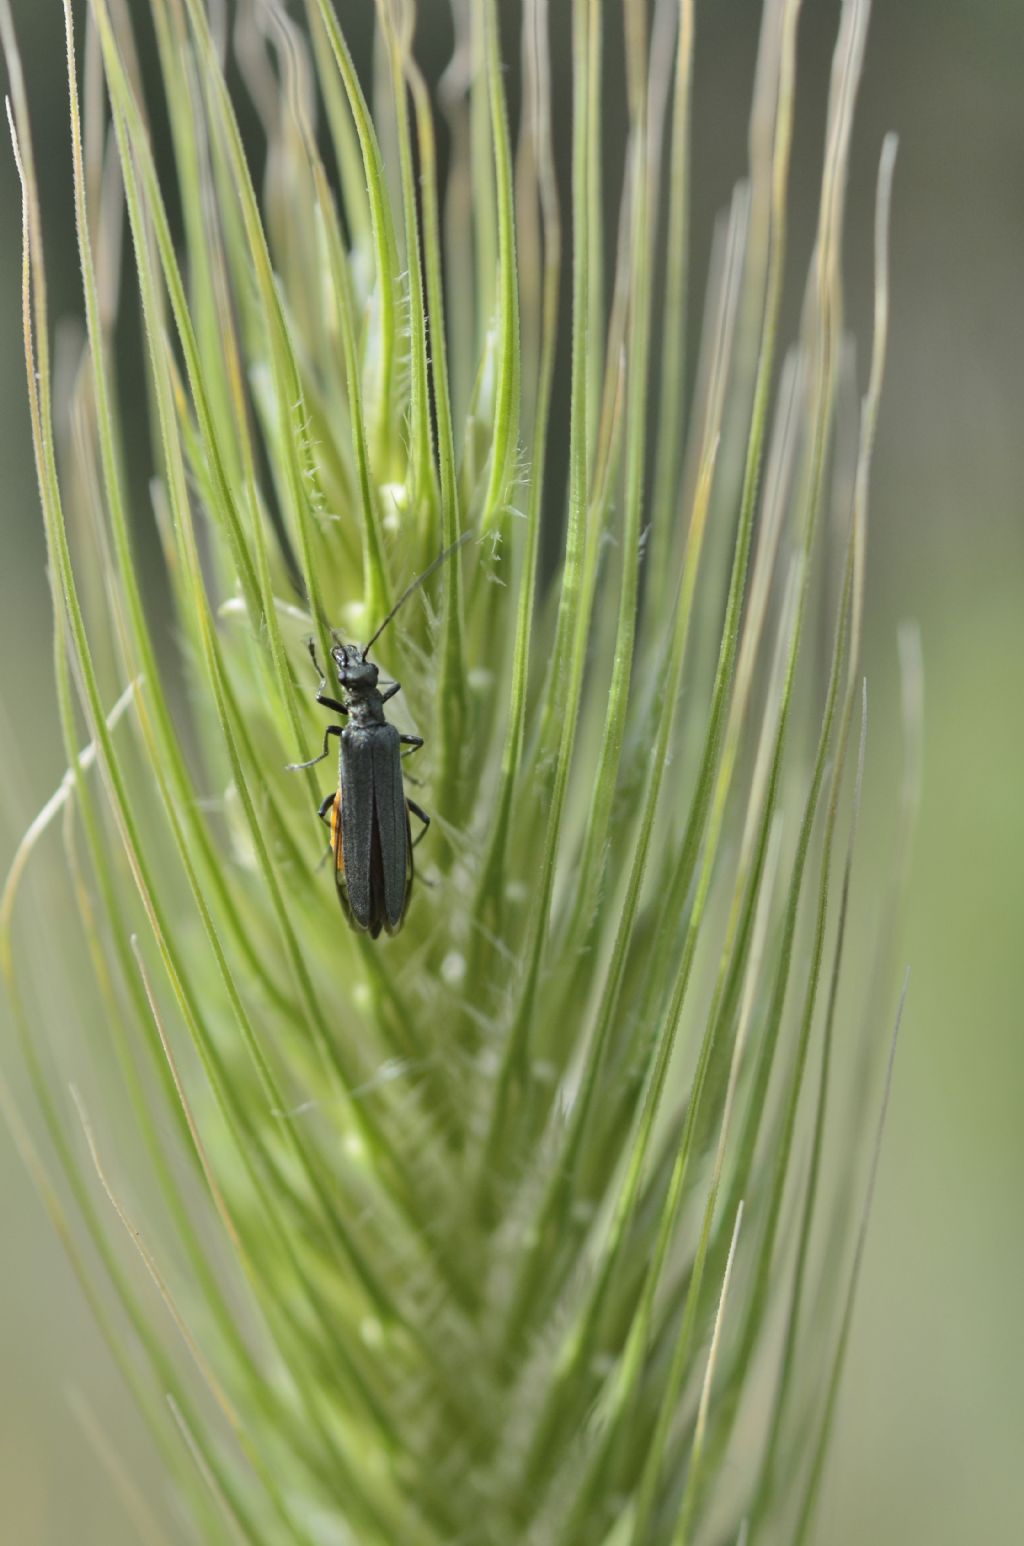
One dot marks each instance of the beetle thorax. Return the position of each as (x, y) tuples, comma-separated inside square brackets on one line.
[(365, 707)]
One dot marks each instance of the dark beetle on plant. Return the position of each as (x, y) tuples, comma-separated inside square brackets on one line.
[(368, 813)]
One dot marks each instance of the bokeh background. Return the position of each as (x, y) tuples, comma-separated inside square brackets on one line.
[(931, 1426)]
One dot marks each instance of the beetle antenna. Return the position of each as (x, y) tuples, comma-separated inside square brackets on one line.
[(404, 597)]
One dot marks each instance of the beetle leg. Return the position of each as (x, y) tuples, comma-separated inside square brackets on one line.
[(390, 691), (321, 697), (418, 811), (294, 767), (415, 742), (325, 805)]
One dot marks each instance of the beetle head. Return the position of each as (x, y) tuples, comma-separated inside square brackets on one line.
[(355, 673)]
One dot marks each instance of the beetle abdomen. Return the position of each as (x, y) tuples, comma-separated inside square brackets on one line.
[(374, 827)]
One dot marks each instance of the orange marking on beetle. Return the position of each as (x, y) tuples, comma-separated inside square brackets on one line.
[(336, 845)]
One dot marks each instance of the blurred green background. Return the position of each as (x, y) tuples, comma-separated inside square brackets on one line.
[(932, 1416)]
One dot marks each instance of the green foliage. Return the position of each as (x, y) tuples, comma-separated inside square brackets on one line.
[(445, 1223)]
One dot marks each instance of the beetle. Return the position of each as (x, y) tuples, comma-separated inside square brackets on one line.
[(368, 812)]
